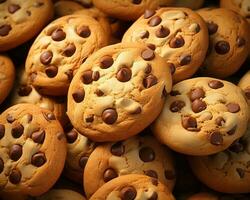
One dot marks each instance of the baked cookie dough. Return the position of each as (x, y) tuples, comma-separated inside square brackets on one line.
[(244, 84)]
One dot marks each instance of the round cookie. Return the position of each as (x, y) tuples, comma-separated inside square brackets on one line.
[(137, 155), (202, 116), (133, 187), (118, 92), (63, 8), (128, 9), (189, 4), (79, 149), (32, 150), (239, 6), (22, 20), (176, 35), (7, 76), (244, 84), (59, 50), (225, 54), (61, 194)]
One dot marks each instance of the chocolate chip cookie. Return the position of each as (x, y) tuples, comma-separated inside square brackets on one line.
[(137, 155), (189, 4), (229, 42), (59, 50), (22, 20), (61, 194), (63, 8), (176, 35), (129, 187), (202, 116), (244, 84), (118, 92), (32, 150)]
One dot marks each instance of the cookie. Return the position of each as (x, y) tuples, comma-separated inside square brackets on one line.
[(22, 20), (128, 9), (61, 194), (32, 150), (85, 3), (63, 8), (244, 84), (225, 54), (202, 116), (129, 187), (137, 155), (79, 149), (118, 92), (176, 35), (203, 196), (239, 6), (7, 76), (189, 4), (59, 50)]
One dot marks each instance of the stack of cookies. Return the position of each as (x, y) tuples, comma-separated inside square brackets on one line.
[(124, 99)]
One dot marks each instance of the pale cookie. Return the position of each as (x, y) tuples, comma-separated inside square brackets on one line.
[(32, 150), (59, 50), (202, 116), (22, 20), (118, 92), (189, 4), (137, 155), (176, 34), (7, 76), (63, 8), (133, 187), (240, 6), (61, 194), (128, 9), (229, 42), (244, 84), (79, 149)]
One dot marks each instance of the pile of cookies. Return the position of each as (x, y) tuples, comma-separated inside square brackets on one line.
[(124, 99)]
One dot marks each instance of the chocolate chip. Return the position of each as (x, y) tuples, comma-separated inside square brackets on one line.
[(49, 116), (38, 4), (240, 172), (1, 165), (247, 93), (16, 152), (5, 29), (164, 92), (99, 93), (149, 81), (89, 119), (151, 173), (154, 21), (154, 196), (233, 107), (51, 71), (58, 35), (232, 131), (109, 116), (236, 147), (109, 174), (214, 84), (240, 41), (12, 8), (177, 42), (144, 34), (148, 69), (28, 12), (38, 159), (146, 154), (177, 105), (2, 131), (71, 136), (185, 59), (24, 90), (216, 138), (172, 68), (151, 46), (198, 105), (2, 1), (148, 54), (117, 149), (15, 176), (169, 174), (69, 74), (84, 31), (83, 161), (128, 193), (212, 28), (124, 74), (196, 93), (162, 32), (95, 75), (189, 123), (138, 110), (38, 136), (220, 121), (17, 130), (10, 118), (87, 77), (149, 13), (222, 47), (78, 95), (136, 1), (69, 50), (106, 62), (46, 57), (154, 181)]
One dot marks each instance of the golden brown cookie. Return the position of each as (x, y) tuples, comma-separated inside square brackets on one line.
[(244, 84), (63, 8)]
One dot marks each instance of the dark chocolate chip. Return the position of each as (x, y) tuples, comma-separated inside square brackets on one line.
[(164, 92), (95, 75), (222, 47), (12, 8), (99, 93), (169, 174), (5, 29), (10, 118), (233, 107), (84, 31), (71, 136), (149, 13), (17, 130), (146, 154), (106, 62), (240, 41), (38, 4), (38, 159), (1, 165), (196, 93), (247, 93), (87, 77), (240, 172), (177, 42), (117, 149), (148, 54), (69, 50), (128, 193), (220, 121), (49, 116), (83, 161), (89, 119), (154, 181), (236, 147), (212, 28), (109, 174), (151, 173), (15, 176), (214, 84), (136, 1), (28, 12), (154, 21), (51, 71), (154, 196), (145, 35), (177, 105), (24, 90), (162, 32), (172, 68), (38, 136), (185, 59), (124, 74), (189, 123), (46, 57), (232, 131), (151, 46), (148, 69), (2, 1), (58, 35), (216, 138), (198, 105), (109, 116), (69, 74), (16, 152), (2, 131), (149, 81), (78, 95)]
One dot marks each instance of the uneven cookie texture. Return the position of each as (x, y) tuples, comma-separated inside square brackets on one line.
[(118, 92), (7, 76), (32, 150), (137, 155), (79, 149), (22, 20), (59, 50), (202, 116), (61, 194), (244, 84), (176, 35), (225, 54), (129, 187)]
